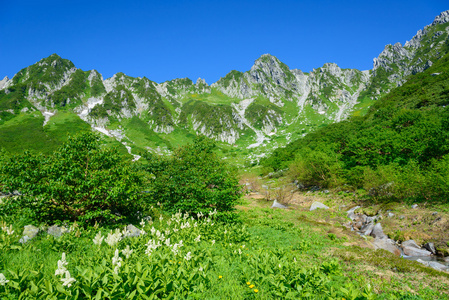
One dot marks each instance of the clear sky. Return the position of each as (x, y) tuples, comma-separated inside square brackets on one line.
[(163, 40)]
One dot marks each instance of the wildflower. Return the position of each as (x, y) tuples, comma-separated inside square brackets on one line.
[(68, 280), (151, 245), (195, 225), (142, 223), (251, 286), (127, 252), (113, 238), (294, 259), (167, 242), (225, 231), (116, 259), (61, 266), (240, 251), (153, 231), (175, 229), (161, 218), (200, 214), (213, 242), (168, 222), (256, 290), (197, 239), (220, 277), (248, 283), (167, 231), (98, 239), (158, 204), (3, 280), (188, 256), (143, 232), (200, 269)]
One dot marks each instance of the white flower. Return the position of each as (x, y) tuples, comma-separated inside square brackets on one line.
[(200, 214), (188, 256), (61, 266), (127, 252), (240, 251), (294, 259), (113, 238), (175, 229), (151, 245), (186, 215), (167, 231), (9, 230), (142, 223), (161, 218), (116, 269), (200, 269), (116, 259), (3, 280), (197, 239), (225, 231), (68, 280), (168, 222), (143, 232), (167, 242), (98, 239), (213, 242), (153, 231), (158, 204), (195, 225)]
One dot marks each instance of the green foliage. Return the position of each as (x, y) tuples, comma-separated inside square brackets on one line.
[(193, 179), (80, 181), (398, 150)]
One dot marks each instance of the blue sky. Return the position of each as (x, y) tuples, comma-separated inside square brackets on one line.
[(163, 40)]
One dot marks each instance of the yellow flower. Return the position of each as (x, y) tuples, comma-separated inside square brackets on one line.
[(248, 283), (256, 290), (220, 277), (251, 286)]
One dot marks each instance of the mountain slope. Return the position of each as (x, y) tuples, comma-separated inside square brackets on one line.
[(250, 113)]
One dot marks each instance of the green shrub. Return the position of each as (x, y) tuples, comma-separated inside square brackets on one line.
[(80, 181), (193, 180)]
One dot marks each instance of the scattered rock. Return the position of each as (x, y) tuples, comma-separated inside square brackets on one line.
[(435, 74), (415, 206), (433, 264), (401, 217), (316, 205), (351, 213), (377, 232), (367, 229), (430, 247), (29, 232), (278, 205), (410, 243), (326, 191), (132, 231), (390, 215), (56, 231), (434, 213), (386, 244), (413, 251)]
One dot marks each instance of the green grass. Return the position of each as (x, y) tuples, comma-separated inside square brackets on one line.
[(273, 254)]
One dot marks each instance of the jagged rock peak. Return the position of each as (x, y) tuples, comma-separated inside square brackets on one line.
[(3, 82), (200, 81), (441, 18)]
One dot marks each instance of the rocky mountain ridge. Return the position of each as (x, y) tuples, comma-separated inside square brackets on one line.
[(251, 112)]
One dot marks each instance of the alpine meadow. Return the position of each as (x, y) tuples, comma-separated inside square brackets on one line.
[(270, 183)]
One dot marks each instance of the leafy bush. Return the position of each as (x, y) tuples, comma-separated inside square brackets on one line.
[(193, 179), (80, 181)]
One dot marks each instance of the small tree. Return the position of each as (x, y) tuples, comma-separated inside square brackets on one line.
[(80, 181), (193, 180)]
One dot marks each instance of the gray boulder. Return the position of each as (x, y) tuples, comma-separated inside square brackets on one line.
[(56, 231), (410, 243), (351, 213), (278, 205), (132, 231), (317, 204), (386, 244), (367, 229), (29, 232), (433, 264), (377, 232), (430, 247), (415, 206), (413, 251)]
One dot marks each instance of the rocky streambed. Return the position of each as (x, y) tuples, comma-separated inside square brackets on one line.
[(371, 226)]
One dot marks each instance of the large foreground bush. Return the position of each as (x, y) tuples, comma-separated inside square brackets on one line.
[(193, 179), (81, 181)]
